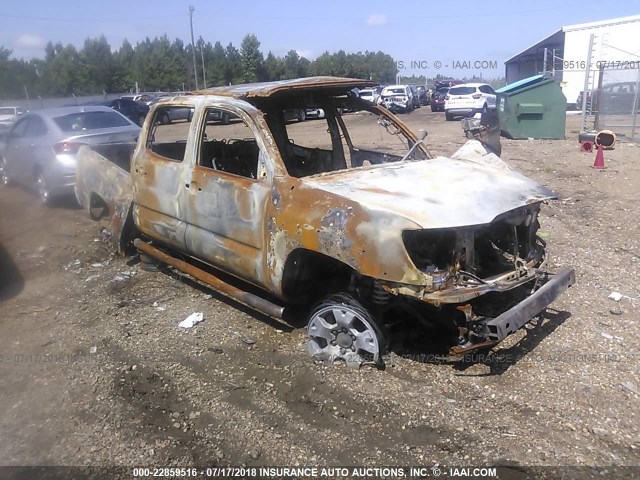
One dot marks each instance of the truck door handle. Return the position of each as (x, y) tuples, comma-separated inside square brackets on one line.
[(140, 171), (193, 185)]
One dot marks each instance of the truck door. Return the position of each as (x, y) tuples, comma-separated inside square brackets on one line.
[(228, 193), (160, 171)]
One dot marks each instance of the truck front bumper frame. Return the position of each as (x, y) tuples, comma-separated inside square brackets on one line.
[(498, 328)]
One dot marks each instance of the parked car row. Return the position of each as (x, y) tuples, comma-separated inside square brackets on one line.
[(452, 97), (397, 98)]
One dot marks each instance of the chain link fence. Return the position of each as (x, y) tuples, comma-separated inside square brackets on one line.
[(38, 103), (616, 101)]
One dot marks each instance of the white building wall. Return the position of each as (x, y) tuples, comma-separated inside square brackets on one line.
[(616, 40)]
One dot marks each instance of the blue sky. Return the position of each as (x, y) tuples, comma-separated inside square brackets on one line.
[(424, 31)]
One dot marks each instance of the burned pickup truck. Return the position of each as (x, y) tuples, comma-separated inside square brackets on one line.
[(348, 216)]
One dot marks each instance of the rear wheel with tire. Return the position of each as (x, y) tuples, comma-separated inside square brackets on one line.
[(302, 115), (44, 194), (448, 116), (340, 328), (4, 176)]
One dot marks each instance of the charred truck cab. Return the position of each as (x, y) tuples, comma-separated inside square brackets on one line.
[(365, 234)]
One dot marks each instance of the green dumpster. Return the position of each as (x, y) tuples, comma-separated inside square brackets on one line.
[(532, 108)]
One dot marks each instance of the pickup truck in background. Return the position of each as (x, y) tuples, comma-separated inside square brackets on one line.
[(368, 239)]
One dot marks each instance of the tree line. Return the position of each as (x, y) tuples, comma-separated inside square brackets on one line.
[(161, 64)]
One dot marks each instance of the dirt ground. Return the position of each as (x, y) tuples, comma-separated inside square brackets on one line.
[(95, 371)]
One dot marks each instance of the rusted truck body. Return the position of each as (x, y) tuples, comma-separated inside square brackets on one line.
[(370, 234)]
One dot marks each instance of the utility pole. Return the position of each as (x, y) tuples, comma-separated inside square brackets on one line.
[(204, 73), (193, 48)]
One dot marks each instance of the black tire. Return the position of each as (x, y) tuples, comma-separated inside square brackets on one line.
[(302, 115), (448, 116), (484, 108), (362, 315)]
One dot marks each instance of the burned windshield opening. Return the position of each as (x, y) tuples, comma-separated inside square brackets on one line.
[(327, 134)]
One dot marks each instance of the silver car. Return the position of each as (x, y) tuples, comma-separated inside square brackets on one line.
[(8, 115), (40, 149)]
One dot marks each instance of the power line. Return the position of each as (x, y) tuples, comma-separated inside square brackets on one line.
[(92, 19)]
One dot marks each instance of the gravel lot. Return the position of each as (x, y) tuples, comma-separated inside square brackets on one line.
[(95, 371)]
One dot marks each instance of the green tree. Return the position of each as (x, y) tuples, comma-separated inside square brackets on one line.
[(122, 78), (63, 73), (251, 58), (216, 65), (97, 65), (233, 65), (274, 67)]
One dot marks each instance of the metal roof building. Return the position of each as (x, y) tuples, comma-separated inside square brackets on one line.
[(565, 53)]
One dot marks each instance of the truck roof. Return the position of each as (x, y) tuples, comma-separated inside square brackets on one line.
[(332, 85)]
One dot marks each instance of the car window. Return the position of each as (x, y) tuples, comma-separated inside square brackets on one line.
[(227, 144), (35, 128), (462, 90), (20, 127), (169, 132), (7, 111), (82, 121)]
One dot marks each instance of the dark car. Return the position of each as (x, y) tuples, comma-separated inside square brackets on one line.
[(446, 83), (422, 94), (617, 98), (438, 98), (134, 111), (590, 104), (415, 98)]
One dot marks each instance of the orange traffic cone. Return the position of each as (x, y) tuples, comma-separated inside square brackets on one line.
[(599, 163)]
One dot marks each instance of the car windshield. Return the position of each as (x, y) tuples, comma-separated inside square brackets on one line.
[(339, 142), (7, 111), (397, 90), (366, 93), (81, 121), (462, 90)]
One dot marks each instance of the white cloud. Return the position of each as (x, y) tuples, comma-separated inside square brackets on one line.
[(377, 20), (30, 40), (308, 54)]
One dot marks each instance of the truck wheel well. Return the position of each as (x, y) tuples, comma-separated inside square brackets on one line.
[(309, 275), (97, 207)]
